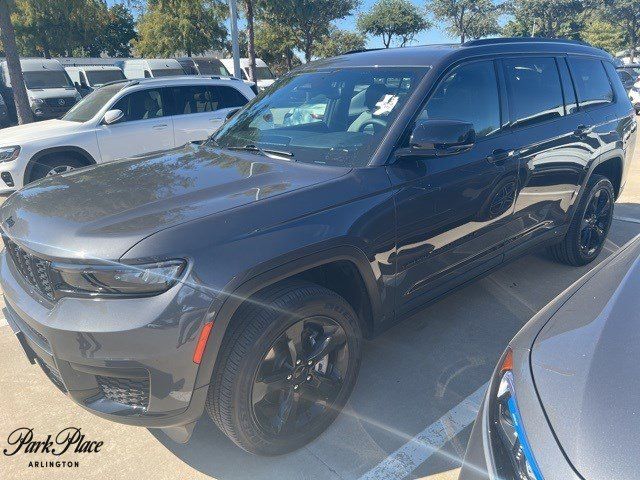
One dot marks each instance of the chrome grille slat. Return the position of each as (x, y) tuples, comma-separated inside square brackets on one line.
[(35, 271)]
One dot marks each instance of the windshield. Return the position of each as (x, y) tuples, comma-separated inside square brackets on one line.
[(167, 72), (46, 79), (97, 78), (212, 67), (263, 73), (89, 106), (333, 117)]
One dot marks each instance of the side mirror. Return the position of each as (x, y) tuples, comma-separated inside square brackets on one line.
[(112, 116), (232, 112), (440, 138)]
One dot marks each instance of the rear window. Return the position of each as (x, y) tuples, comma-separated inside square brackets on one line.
[(229, 97), (535, 93), (591, 81), (97, 78), (167, 72)]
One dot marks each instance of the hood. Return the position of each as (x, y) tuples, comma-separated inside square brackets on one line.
[(35, 131), (102, 211), (52, 92), (586, 370)]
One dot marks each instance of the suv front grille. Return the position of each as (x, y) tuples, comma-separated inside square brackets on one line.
[(36, 271), (128, 391)]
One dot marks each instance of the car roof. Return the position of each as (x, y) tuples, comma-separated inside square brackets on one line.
[(432, 55), (178, 79)]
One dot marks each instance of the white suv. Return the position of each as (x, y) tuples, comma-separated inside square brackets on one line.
[(121, 119)]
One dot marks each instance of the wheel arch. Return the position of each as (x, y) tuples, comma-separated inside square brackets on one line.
[(77, 152), (309, 267)]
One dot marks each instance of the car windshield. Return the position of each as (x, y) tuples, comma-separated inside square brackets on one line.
[(97, 78), (167, 72), (335, 117), (46, 79), (89, 106), (263, 73), (212, 67)]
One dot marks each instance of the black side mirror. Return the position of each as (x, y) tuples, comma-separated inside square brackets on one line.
[(232, 112), (440, 138)]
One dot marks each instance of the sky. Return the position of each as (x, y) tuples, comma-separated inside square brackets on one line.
[(434, 35)]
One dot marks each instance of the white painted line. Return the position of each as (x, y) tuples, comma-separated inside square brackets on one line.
[(626, 219), (414, 453)]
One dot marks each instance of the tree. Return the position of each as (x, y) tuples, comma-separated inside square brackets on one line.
[(626, 15), (602, 34), (467, 18), (545, 18), (310, 20), (393, 18), (275, 44), (117, 31), (338, 42), (251, 43), (173, 27), (20, 98)]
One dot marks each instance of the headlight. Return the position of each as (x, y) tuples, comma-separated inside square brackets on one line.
[(512, 452), (36, 102), (117, 280), (8, 154)]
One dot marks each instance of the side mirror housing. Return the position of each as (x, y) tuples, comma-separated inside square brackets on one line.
[(440, 138), (112, 116), (232, 112)]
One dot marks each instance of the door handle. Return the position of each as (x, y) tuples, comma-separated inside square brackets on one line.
[(162, 126), (500, 155)]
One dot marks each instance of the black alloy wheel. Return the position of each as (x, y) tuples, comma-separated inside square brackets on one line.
[(595, 222)]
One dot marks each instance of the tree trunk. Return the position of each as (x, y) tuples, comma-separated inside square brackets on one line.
[(251, 42), (20, 98), (308, 45)]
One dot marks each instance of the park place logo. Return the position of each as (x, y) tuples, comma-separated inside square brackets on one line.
[(68, 441)]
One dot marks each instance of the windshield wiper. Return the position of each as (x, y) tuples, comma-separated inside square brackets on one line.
[(264, 151)]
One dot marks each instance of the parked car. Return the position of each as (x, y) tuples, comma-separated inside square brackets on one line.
[(121, 119), (633, 69), (264, 75), (50, 90), (562, 402), (628, 80), (87, 78), (634, 96), (209, 66), (135, 68), (241, 275)]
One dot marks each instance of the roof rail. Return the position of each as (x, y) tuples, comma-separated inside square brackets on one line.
[(128, 81), (361, 50), (490, 41)]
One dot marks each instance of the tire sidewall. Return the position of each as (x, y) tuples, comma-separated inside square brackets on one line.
[(598, 185), (40, 169), (249, 430)]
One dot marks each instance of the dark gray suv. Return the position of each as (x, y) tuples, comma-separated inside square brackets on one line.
[(241, 275)]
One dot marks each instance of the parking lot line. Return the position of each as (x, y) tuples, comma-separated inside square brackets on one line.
[(429, 441)]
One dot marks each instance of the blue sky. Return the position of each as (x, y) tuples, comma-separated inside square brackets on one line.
[(434, 35)]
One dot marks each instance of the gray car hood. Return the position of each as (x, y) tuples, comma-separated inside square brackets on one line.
[(102, 211), (586, 367)]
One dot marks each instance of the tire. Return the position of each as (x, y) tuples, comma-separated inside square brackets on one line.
[(255, 331), (42, 167), (569, 250)]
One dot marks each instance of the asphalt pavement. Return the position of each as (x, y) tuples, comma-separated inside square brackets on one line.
[(409, 417)]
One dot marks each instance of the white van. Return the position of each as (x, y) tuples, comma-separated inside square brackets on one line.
[(51, 92), (263, 72), (134, 68), (87, 78)]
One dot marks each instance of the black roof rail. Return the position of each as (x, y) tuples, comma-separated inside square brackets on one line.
[(128, 81), (361, 50), (491, 41)]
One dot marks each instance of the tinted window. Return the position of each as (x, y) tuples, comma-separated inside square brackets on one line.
[(167, 72), (468, 94), (592, 83), (228, 97), (141, 105), (194, 99), (625, 76), (46, 79), (98, 78), (535, 94), (89, 106)]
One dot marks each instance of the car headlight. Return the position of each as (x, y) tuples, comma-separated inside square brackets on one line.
[(8, 154), (36, 102), (116, 280), (512, 452)]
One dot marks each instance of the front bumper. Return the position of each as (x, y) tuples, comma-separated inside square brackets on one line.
[(126, 360)]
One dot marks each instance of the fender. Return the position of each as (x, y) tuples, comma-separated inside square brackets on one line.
[(224, 306), (47, 151)]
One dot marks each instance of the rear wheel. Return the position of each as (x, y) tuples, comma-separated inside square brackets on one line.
[(590, 225), (287, 368), (54, 165)]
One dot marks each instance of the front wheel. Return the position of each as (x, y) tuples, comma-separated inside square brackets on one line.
[(590, 225), (286, 369), (54, 165)]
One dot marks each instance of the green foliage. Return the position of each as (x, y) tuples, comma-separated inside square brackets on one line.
[(309, 20), (393, 18), (338, 42), (172, 27), (467, 19), (602, 34), (626, 15), (116, 33), (546, 18), (275, 44)]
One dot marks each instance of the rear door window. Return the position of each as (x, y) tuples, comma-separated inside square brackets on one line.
[(535, 93), (591, 81), (194, 99), (468, 94)]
